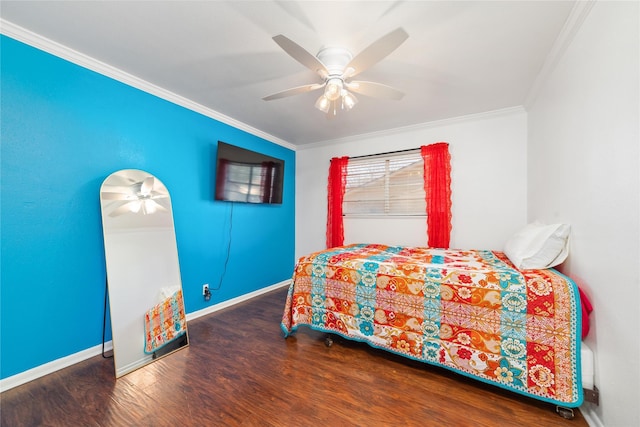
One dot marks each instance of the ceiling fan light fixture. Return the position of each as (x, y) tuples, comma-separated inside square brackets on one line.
[(333, 90), (134, 206), (323, 103), (348, 100), (149, 207)]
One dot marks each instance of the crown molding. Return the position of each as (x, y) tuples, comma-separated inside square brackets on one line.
[(574, 22), (418, 127), (42, 43)]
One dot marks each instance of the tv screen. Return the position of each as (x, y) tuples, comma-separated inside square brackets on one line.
[(246, 176)]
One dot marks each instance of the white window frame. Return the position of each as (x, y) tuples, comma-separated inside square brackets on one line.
[(370, 171)]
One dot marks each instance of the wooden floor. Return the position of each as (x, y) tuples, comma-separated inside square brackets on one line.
[(239, 370)]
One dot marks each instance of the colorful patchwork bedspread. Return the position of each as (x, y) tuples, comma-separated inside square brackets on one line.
[(164, 322), (469, 311)]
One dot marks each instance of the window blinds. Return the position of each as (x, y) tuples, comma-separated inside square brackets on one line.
[(386, 184)]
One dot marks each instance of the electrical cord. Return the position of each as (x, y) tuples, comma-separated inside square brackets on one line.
[(226, 261)]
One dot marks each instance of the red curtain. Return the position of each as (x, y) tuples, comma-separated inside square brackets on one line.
[(335, 194), (437, 188)]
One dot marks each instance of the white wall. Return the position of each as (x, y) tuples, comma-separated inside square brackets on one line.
[(583, 169), (488, 162)]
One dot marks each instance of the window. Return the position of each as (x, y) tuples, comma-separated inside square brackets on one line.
[(385, 184)]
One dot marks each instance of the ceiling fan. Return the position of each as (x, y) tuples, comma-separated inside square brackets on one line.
[(147, 196), (336, 67)]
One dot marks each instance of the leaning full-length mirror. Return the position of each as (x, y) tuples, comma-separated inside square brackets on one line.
[(143, 273)]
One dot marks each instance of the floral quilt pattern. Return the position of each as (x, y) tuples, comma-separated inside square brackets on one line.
[(164, 322), (469, 311)]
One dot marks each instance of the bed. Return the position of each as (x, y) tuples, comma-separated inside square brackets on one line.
[(469, 311)]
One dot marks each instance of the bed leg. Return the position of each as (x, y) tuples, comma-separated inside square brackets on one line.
[(566, 413), (592, 396), (328, 341)]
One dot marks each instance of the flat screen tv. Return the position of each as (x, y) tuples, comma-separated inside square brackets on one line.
[(247, 176)]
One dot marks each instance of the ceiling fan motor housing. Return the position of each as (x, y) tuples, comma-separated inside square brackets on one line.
[(335, 59)]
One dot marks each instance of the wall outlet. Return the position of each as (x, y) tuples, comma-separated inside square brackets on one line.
[(205, 292)]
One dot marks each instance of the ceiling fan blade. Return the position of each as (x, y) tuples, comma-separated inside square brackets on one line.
[(293, 91), (116, 180), (375, 52), (121, 210), (157, 207), (158, 195), (147, 186), (107, 195), (375, 90), (163, 203), (301, 55)]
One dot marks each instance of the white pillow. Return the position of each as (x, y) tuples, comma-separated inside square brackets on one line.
[(539, 246)]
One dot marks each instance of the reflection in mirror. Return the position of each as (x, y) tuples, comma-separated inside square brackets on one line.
[(143, 273)]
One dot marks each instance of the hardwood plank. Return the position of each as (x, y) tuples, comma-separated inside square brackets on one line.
[(238, 370)]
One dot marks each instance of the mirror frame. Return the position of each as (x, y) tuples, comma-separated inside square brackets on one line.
[(148, 319)]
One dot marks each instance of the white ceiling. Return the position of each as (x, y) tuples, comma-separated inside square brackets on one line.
[(460, 58)]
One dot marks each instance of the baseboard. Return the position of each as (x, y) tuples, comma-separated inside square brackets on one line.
[(237, 300), (53, 366), (64, 362), (590, 416)]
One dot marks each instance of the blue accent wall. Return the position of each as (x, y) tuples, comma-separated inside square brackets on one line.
[(64, 129)]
